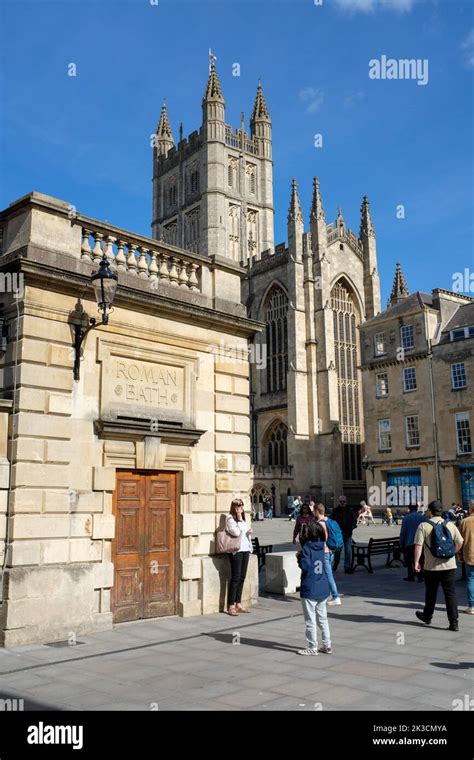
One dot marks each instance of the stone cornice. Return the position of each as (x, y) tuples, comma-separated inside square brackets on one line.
[(138, 429), (375, 365)]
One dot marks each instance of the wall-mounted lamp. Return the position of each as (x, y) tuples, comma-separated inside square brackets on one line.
[(105, 284)]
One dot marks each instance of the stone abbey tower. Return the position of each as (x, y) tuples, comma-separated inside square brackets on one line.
[(213, 194)]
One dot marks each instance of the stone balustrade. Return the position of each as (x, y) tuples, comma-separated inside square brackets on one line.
[(51, 230), (148, 261)]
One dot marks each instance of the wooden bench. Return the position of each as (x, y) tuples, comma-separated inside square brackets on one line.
[(362, 553), (261, 551)]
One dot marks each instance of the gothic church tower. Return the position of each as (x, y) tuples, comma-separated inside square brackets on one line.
[(213, 192)]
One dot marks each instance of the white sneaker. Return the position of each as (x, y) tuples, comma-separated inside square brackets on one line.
[(326, 649), (308, 651), (469, 611), (335, 601)]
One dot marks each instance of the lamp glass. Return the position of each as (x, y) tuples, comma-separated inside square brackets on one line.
[(105, 284)]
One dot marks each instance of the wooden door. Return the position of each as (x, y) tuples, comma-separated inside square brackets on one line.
[(144, 548)]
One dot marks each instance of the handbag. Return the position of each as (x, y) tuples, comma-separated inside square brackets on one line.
[(227, 544)]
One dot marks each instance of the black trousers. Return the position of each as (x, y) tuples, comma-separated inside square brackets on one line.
[(238, 567), (445, 578), (409, 554)]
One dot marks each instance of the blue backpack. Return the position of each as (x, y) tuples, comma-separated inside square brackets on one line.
[(442, 544), (334, 542)]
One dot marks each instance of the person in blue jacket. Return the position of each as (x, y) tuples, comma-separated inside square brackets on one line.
[(410, 525), (314, 591)]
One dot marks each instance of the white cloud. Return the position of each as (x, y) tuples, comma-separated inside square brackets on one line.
[(369, 6), (468, 47), (313, 98), (352, 100)]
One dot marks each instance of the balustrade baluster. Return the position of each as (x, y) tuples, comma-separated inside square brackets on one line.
[(131, 260), (173, 275), (120, 259), (85, 246), (108, 249), (153, 267), (97, 251), (183, 274), (142, 263), (164, 272), (193, 280)]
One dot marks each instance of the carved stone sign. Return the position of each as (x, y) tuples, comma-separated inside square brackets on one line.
[(146, 384)]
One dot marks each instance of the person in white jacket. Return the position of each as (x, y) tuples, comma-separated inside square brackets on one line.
[(236, 525)]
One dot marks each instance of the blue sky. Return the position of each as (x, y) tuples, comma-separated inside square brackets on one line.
[(86, 139)]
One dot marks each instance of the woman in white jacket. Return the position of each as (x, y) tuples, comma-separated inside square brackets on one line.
[(239, 560)]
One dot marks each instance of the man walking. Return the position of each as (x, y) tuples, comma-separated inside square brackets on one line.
[(297, 503), (440, 541), (346, 518), (467, 532), (410, 525)]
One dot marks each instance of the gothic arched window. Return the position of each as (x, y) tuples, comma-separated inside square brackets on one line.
[(276, 310), (345, 321), (275, 445)]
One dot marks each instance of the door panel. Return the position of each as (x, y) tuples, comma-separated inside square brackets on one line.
[(144, 548), (160, 547)]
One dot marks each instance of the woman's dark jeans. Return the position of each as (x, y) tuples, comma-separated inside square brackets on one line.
[(238, 566)]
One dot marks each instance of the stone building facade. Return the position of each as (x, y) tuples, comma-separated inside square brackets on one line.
[(418, 387), (118, 480), (312, 293), (229, 367)]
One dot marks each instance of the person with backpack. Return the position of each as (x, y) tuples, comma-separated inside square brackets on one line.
[(314, 591), (334, 542), (439, 540), (301, 526)]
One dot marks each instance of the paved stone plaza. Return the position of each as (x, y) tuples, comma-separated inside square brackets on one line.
[(193, 663)]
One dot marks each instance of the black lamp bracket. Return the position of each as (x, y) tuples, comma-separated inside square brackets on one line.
[(79, 335)]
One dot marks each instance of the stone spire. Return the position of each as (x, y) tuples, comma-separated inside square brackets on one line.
[(317, 210), (366, 226), (164, 138), (213, 89), (164, 128), (399, 288), (260, 109), (294, 212), (340, 219)]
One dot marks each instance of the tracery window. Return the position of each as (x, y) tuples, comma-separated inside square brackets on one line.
[(275, 445), (276, 310), (192, 231), (346, 319)]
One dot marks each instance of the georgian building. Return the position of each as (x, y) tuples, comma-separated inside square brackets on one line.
[(418, 389), (115, 473), (312, 293)]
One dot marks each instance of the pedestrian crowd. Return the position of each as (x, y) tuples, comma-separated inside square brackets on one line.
[(431, 539)]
